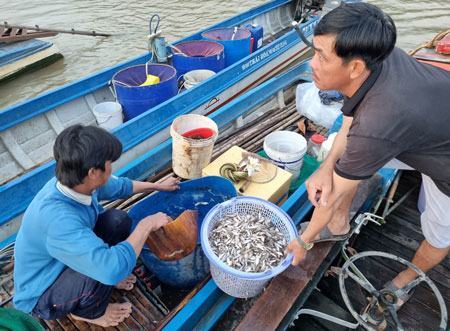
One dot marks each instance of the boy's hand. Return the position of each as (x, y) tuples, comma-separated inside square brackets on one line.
[(155, 221), (170, 184)]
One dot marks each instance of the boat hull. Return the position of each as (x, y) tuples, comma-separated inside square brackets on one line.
[(138, 136), (25, 56)]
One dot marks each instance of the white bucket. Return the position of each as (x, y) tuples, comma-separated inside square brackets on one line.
[(194, 77), (108, 114), (286, 149), (190, 156)]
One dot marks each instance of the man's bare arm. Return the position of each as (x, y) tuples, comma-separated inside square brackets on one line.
[(319, 185)]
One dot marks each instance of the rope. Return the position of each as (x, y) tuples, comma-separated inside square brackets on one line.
[(232, 172), (432, 43), (153, 36)]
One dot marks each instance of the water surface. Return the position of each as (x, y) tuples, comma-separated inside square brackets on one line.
[(417, 21)]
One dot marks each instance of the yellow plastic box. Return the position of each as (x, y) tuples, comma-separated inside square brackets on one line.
[(275, 191)]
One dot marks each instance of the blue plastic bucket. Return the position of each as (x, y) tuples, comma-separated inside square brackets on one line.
[(198, 54), (257, 32), (137, 99), (199, 194), (237, 44)]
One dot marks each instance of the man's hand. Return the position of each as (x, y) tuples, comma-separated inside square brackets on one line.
[(299, 252), (170, 184), (155, 221), (319, 186)]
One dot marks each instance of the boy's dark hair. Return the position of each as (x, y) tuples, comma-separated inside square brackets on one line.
[(79, 148), (362, 31)]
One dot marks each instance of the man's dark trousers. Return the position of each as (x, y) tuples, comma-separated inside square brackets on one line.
[(74, 293)]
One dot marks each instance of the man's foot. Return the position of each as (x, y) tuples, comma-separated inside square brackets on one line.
[(327, 235), (127, 284), (114, 314)]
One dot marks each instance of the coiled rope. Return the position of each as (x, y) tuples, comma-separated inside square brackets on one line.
[(232, 172)]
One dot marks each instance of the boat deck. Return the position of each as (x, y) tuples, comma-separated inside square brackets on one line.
[(155, 304), (401, 236)]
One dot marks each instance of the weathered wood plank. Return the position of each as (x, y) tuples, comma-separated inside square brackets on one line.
[(282, 292), (67, 325), (52, 325), (80, 325)]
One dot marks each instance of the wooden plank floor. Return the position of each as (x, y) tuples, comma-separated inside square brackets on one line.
[(147, 312), (400, 236)]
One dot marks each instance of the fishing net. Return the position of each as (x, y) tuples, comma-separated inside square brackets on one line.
[(198, 48), (136, 75), (227, 34)]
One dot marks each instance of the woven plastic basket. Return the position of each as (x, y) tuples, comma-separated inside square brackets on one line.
[(234, 282)]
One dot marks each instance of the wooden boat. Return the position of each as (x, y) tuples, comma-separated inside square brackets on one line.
[(28, 130), (18, 57), (267, 107), (435, 52)]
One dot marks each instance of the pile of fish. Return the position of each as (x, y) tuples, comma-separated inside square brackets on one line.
[(248, 243)]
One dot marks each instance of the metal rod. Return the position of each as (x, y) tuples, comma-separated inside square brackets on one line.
[(399, 202), (71, 31), (391, 193), (302, 36), (328, 318)]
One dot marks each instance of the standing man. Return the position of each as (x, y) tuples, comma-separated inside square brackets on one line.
[(69, 252), (395, 108)]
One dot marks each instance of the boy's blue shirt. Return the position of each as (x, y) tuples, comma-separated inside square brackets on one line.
[(57, 232)]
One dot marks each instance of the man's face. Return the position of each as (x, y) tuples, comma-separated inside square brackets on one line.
[(329, 71)]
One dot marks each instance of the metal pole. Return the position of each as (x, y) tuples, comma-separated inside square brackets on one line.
[(328, 318)]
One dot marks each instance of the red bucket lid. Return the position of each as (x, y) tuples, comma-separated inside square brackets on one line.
[(317, 138)]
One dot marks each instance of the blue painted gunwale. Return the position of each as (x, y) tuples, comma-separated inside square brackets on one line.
[(17, 194), (23, 111)]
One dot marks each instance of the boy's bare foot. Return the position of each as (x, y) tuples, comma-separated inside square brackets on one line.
[(127, 284), (114, 314)]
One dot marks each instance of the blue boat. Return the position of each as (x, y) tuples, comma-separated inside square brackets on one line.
[(28, 130), (18, 57), (206, 303)]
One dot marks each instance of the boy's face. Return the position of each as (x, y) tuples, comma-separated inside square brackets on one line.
[(98, 177), (108, 171)]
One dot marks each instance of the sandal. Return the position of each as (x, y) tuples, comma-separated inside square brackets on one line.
[(326, 235)]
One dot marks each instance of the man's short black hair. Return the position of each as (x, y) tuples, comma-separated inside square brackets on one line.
[(79, 148), (362, 31)]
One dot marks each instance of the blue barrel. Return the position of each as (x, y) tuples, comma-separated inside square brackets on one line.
[(237, 44), (198, 54), (137, 99), (199, 194)]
